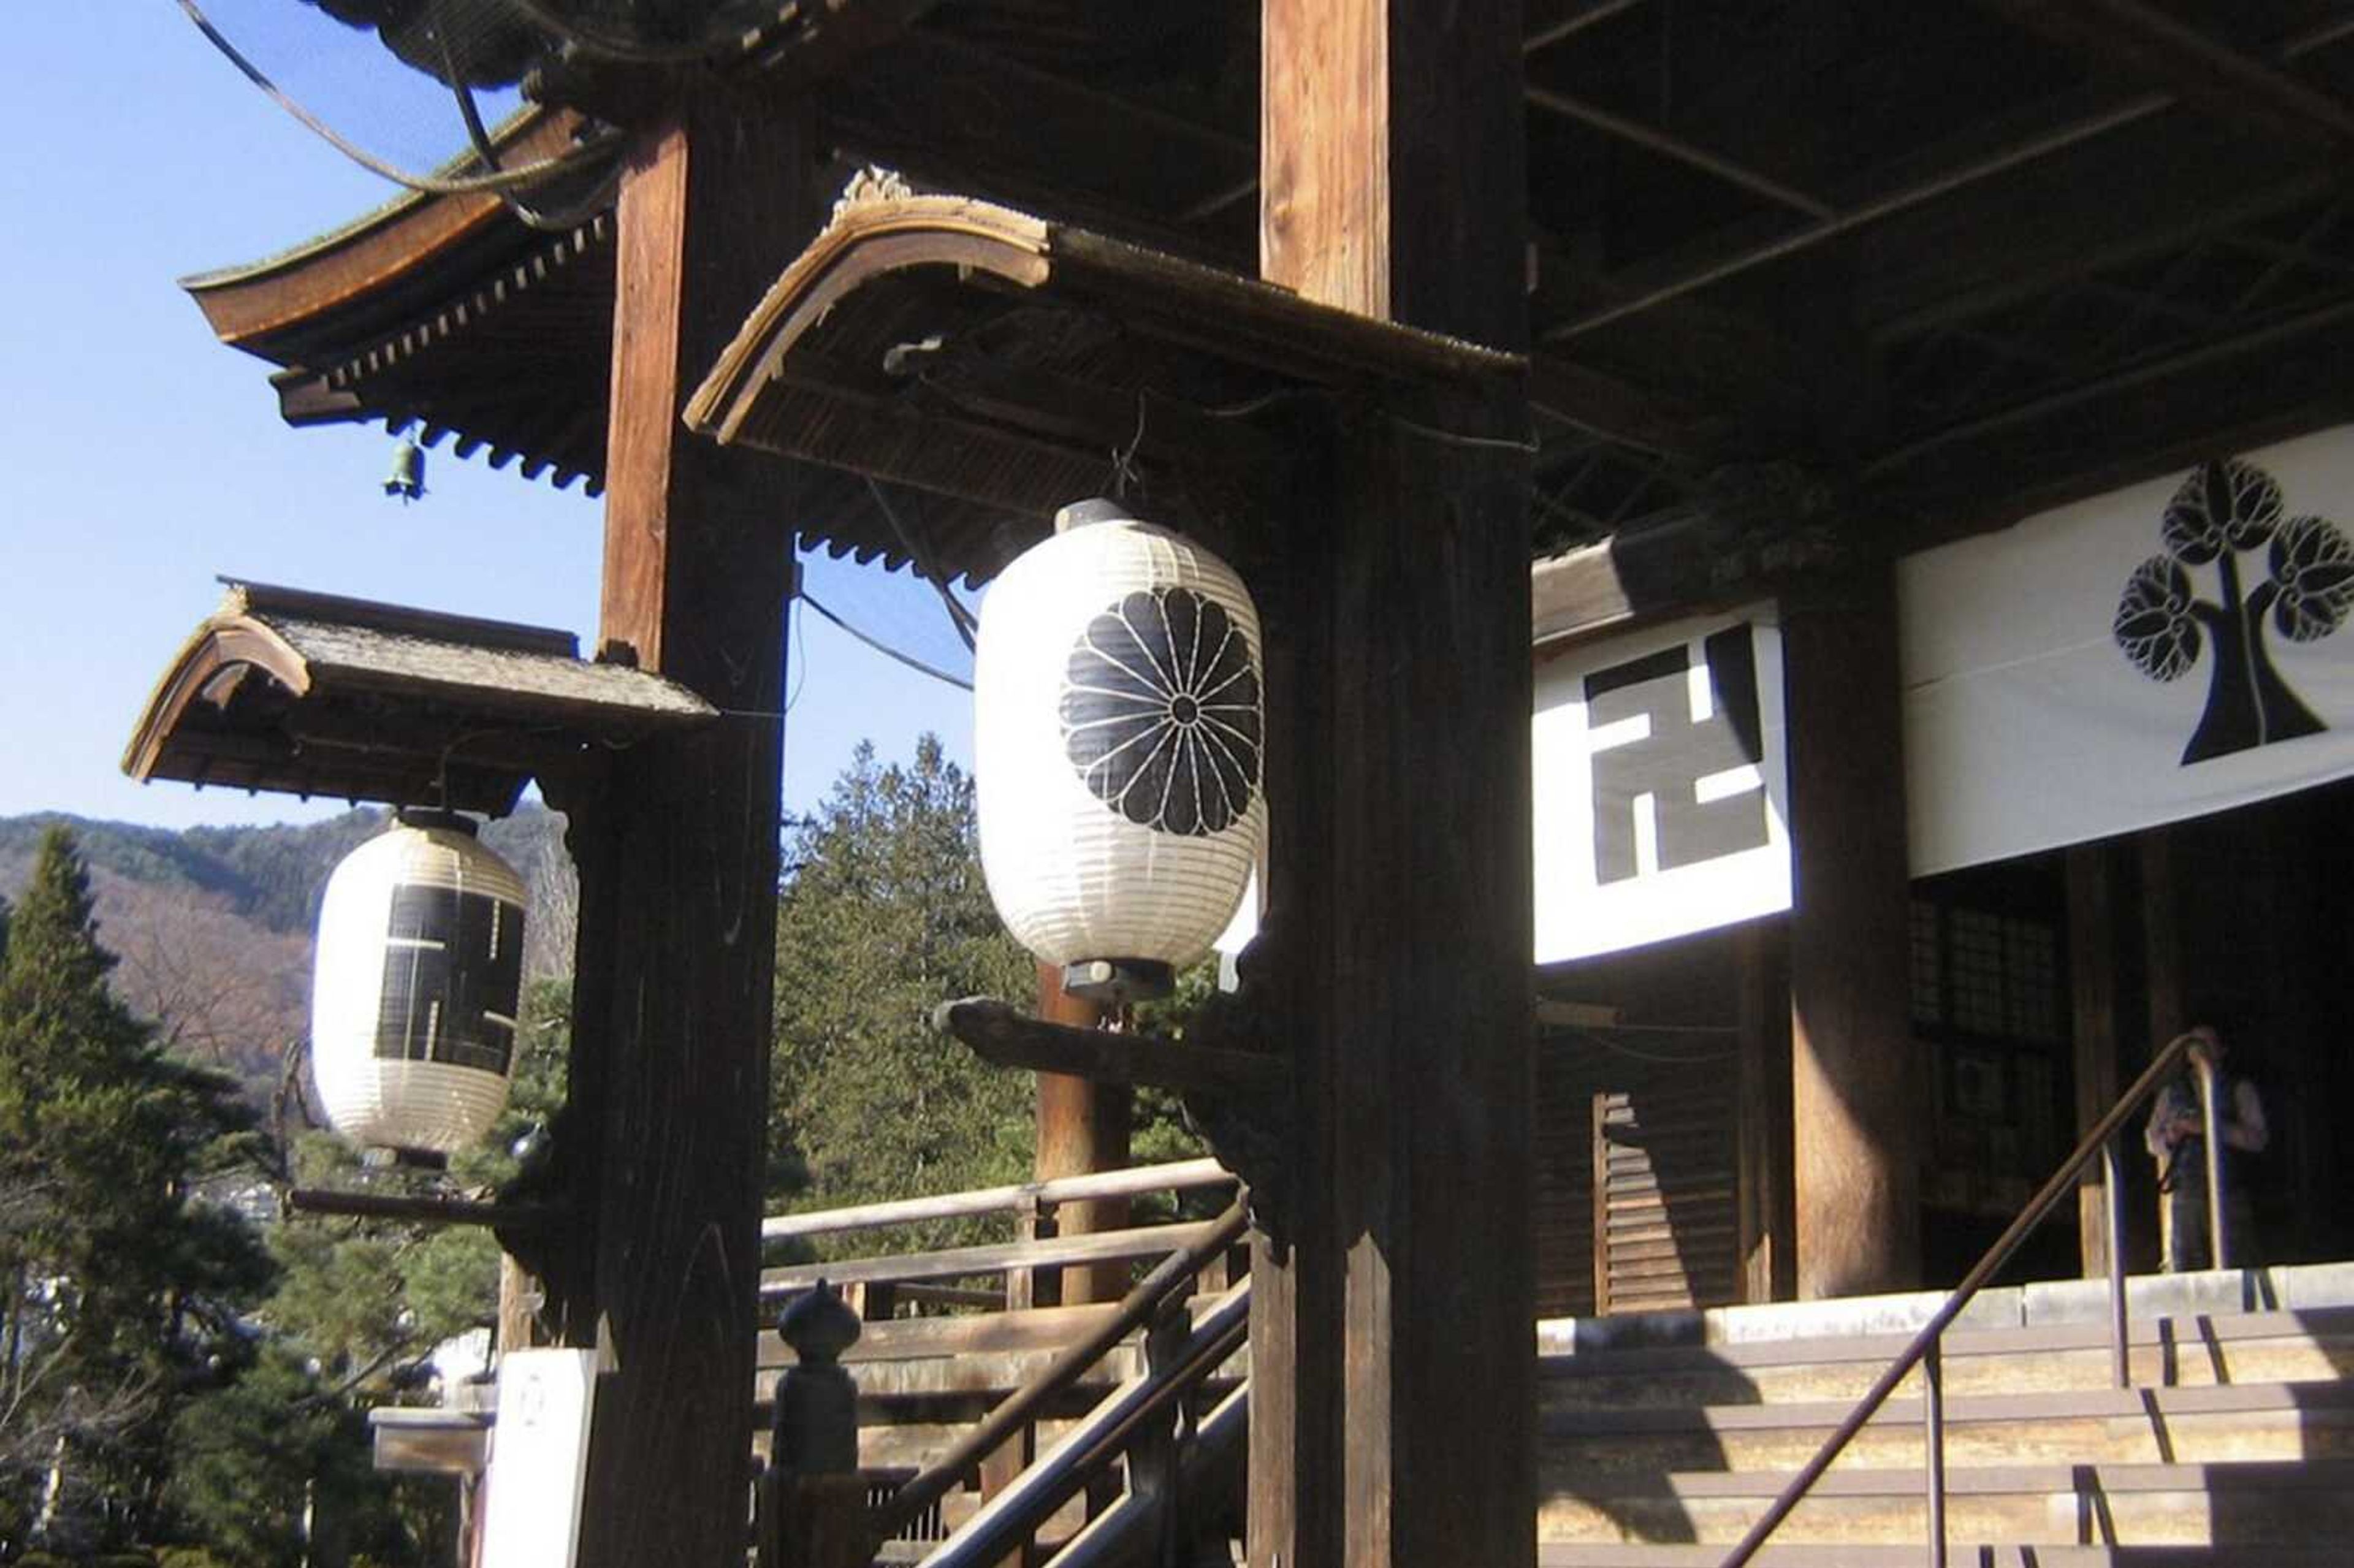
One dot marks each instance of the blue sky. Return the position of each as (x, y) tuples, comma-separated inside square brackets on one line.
[(139, 458)]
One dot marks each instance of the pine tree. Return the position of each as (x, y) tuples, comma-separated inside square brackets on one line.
[(884, 917), (116, 1290)]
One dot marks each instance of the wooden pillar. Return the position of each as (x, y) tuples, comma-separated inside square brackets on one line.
[(2092, 988), (1856, 1106), (1083, 1128), (1392, 1341), (1768, 1262), (679, 881)]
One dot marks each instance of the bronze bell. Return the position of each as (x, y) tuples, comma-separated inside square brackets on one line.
[(407, 479)]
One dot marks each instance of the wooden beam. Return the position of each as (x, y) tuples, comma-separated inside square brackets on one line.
[(678, 855), (2010, 240), (1393, 183), (952, 1263), (1988, 152), (1001, 1036), (2218, 81), (1079, 151)]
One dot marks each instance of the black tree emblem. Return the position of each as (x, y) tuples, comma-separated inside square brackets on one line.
[(1160, 712), (2223, 510)]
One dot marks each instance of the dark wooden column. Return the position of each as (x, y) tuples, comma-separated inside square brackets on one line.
[(1856, 1103), (2093, 998), (679, 883), (1768, 1264), (1393, 1344), (1083, 1128)]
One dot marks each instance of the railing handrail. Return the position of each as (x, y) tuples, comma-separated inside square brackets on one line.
[(2088, 1149), (1176, 1175), (997, 1257), (1007, 1519), (1135, 1309)]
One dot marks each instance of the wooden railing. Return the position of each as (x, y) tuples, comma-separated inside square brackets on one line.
[(1925, 1351), (848, 1515)]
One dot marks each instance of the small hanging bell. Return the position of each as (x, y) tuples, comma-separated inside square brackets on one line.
[(407, 479)]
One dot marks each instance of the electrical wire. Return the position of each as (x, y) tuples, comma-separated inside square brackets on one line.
[(598, 198), (968, 626), (881, 647), (522, 179)]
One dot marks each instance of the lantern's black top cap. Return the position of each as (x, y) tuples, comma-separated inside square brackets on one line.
[(1097, 509), (428, 816)]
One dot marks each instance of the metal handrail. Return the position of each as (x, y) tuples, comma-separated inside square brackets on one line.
[(1137, 1308), (1922, 1349)]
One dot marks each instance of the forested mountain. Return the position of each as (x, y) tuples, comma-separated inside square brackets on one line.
[(213, 926)]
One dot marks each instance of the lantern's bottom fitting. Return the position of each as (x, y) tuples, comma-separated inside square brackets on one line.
[(376, 1157), (1116, 982)]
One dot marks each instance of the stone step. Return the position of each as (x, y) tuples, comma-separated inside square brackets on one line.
[(2303, 1504), (2299, 1288), (1618, 1554), (2315, 1345), (2205, 1426)]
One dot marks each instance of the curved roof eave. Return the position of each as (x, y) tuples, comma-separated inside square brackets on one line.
[(249, 303)]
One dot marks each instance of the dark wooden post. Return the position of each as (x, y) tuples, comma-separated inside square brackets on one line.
[(1855, 1099), (1768, 1266), (813, 1499), (679, 874), (1392, 1342), (1083, 1128), (2092, 983)]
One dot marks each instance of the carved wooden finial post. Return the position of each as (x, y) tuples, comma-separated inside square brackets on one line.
[(814, 1500)]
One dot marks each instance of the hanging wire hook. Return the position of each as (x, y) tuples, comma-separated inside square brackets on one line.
[(1123, 459)]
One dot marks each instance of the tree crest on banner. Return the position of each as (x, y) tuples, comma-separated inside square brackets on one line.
[(2224, 510)]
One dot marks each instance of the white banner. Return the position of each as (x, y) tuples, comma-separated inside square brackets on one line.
[(1661, 793), (2152, 655)]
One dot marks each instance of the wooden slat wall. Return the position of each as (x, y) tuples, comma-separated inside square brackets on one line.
[(1664, 1214), (1562, 1200), (1634, 1203)]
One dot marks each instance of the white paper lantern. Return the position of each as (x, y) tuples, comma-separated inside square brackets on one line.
[(1118, 744), (413, 999)]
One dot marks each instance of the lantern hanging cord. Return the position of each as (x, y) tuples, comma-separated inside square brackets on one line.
[(522, 178)]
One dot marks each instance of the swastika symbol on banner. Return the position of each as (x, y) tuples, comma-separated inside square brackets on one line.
[(1676, 755)]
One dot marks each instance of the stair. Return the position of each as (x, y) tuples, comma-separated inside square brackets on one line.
[(1665, 1436)]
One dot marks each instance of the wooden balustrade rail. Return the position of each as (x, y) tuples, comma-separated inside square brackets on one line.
[(1174, 1274), (951, 1262), (1176, 1176)]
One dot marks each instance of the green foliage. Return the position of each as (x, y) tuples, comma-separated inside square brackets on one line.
[(1159, 1131), (367, 1297), (250, 1459), (885, 916), (116, 1289)]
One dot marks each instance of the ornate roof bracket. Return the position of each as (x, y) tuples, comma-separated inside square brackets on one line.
[(1004, 364), (315, 694)]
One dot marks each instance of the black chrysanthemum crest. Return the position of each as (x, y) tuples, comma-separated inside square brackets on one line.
[(2154, 625), (2231, 503), (2314, 564), (1160, 712)]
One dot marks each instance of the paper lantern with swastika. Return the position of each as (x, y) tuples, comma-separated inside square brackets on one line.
[(1118, 743), (414, 995)]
